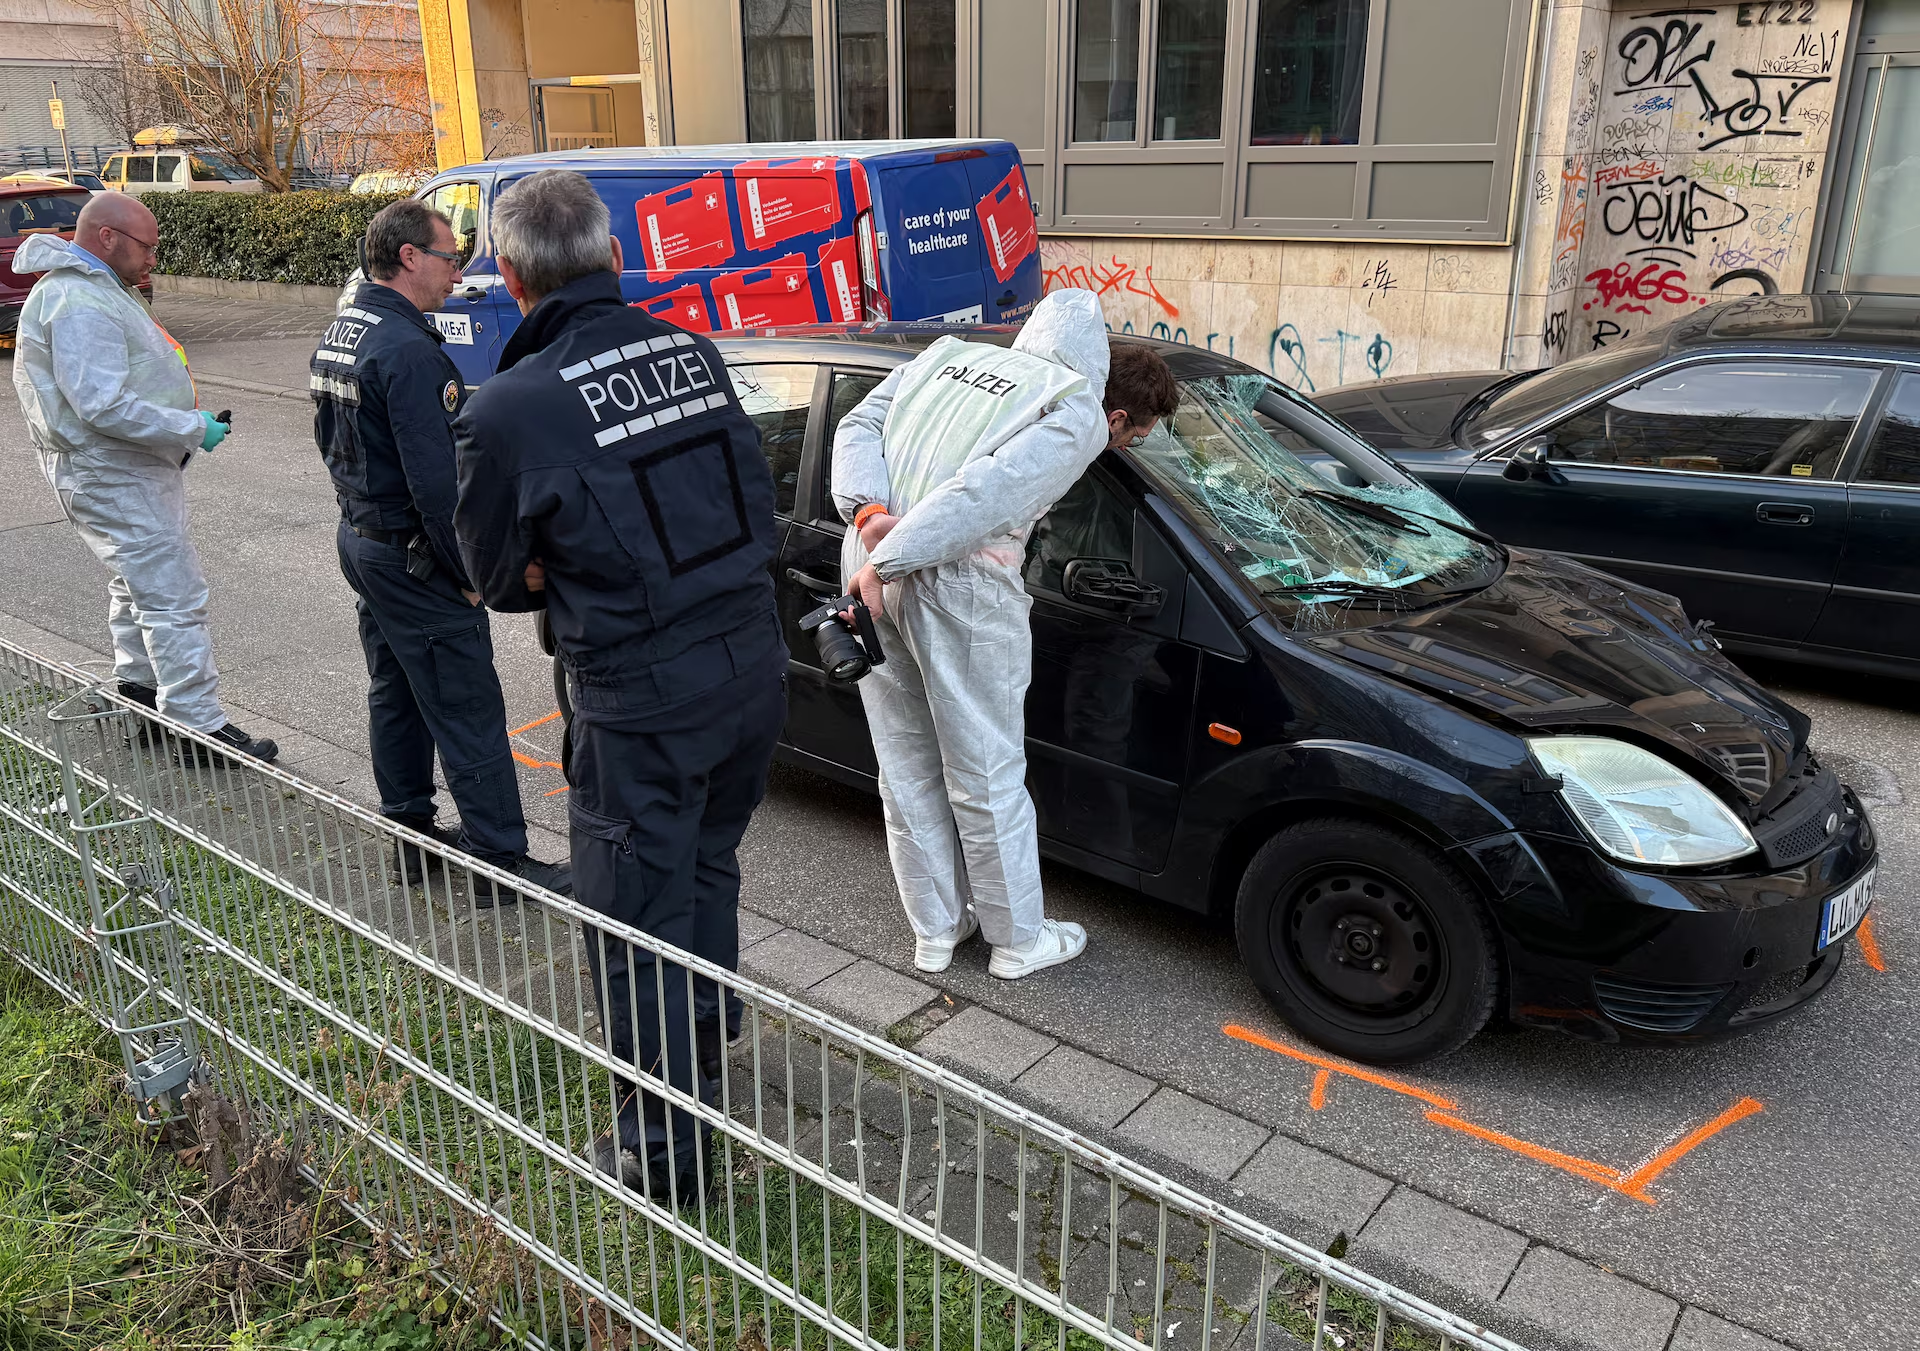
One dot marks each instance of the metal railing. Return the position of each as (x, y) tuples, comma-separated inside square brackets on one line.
[(446, 1064)]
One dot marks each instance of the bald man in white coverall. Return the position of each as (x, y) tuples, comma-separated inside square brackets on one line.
[(112, 412), (943, 470)]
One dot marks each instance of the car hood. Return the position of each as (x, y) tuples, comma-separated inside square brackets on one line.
[(1413, 412), (1556, 646)]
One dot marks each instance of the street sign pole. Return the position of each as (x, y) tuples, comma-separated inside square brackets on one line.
[(59, 110)]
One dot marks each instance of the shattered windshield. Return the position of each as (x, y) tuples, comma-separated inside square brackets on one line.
[(1327, 540)]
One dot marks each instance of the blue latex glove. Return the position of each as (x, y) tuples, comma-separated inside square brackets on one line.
[(216, 431)]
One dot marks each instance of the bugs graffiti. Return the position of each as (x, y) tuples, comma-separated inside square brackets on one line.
[(1625, 291)]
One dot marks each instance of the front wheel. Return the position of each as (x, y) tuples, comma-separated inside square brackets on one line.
[(1366, 941)]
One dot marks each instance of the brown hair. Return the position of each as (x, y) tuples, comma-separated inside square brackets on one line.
[(1140, 385), (407, 221)]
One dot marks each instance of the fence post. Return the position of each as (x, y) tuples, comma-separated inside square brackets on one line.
[(134, 933)]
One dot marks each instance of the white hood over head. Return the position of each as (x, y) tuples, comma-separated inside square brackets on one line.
[(1067, 327)]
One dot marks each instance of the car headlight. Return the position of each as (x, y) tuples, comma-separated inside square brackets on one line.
[(1636, 806)]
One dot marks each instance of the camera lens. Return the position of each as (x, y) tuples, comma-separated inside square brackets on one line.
[(840, 652)]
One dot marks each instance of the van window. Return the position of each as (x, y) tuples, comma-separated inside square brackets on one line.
[(460, 203), (210, 168), (139, 168), (114, 170), (167, 169)]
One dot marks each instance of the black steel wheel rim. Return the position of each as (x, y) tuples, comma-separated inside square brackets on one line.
[(1359, 947)]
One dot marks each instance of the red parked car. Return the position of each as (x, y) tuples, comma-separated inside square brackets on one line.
[(33, 207)]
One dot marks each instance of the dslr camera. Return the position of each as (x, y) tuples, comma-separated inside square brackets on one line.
[(847, 651)]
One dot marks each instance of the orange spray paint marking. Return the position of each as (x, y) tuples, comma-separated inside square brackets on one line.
[(554, 793), (537, 722), (1553, 1158), (1869, 945), (1317, 1099), (537, 764), (1634, 1183), (1253, 1038)]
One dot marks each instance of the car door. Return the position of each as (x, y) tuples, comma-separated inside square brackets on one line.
[(469, 320), (825, 719), (1110, 707), (1875, 605), (1715, 480)]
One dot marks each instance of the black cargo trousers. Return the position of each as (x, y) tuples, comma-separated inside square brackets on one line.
[(660, 799)]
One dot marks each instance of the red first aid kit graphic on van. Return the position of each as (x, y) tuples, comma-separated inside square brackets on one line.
[(766, 297), (685, 308), (782, 199), (685, 227), (1006, 217), (840, 271)]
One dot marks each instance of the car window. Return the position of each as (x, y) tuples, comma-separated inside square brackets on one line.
[(1091, 521), (90, 181), (167, 169), (460, 203), (849, 388), (112, 172), (35, 215), (1894, 456), (1774, 418), (779, 400), (139, 168), (1524, 402)]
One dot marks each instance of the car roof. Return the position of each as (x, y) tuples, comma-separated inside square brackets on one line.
[(897, 344), (707, 157), (1833, 320), (39, 187)]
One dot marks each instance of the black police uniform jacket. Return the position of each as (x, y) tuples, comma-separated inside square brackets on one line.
[(384, 400), (611, 448)]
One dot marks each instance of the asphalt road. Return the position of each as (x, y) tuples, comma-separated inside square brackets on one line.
[(1796, 1219)]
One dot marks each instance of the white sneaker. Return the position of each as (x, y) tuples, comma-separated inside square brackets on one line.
[(936, 954), (1057, 943)]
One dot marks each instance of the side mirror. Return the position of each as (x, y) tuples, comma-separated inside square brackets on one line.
[(1530, 462), (1109, 584)]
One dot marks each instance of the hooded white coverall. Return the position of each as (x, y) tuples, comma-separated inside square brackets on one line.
[(111, 411), (969, 444)]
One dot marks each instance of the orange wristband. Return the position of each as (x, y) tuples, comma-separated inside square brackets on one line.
[(867, 513)]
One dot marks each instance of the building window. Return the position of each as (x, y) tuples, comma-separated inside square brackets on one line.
[(1106, 70), (779, 41), (1308, 60), (1189, 70), (861, 46), (928, 86)]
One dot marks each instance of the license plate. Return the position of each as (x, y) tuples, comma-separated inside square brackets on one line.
[(1844, 910)]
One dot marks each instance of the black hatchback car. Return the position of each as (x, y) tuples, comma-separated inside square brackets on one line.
[(1759, 459), (1433, 780)]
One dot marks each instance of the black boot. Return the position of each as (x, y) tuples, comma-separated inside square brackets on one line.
[(411, 863), (193, 755), (147, 697), (555, 877)]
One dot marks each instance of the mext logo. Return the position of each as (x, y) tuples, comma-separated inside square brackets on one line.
[(644, 380)]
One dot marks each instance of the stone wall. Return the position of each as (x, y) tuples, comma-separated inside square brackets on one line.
[(1315, 315)]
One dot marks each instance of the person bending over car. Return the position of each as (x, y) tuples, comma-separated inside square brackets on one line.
[(943, 471)]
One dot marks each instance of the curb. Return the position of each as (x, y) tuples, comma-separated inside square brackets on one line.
[(250, 386), (277, 292)]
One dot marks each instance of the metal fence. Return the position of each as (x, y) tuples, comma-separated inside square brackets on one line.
[(445, 1065)]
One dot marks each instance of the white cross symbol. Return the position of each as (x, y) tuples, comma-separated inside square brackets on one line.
[(1021, 193), (712, 201), (793, 283), (693, 310), (818, 165)]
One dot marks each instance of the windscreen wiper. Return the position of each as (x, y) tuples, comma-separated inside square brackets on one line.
[(1385, 515), (1342, 587), (1472, 407)]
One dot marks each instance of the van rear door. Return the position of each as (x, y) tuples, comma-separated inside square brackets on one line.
[(1009, 233), (933, 264)]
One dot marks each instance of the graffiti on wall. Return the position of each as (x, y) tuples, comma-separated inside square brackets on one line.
[(1697, 178)]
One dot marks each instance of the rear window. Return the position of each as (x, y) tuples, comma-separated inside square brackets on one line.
[(39, 214)]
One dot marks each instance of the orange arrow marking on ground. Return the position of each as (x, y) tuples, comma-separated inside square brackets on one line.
[(1870, 946), (1633, 1183), (537, 722)]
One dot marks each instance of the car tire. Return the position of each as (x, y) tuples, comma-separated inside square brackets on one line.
[(1366, 941)]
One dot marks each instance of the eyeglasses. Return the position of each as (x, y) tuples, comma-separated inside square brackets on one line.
[(439, 253), (150, 245)]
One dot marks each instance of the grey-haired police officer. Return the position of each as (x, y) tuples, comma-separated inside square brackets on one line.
[(385, 396), (608, 474)]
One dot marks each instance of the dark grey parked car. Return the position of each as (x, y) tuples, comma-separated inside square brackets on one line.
[(1759, 459)]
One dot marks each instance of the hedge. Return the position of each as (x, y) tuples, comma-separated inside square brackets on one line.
[(306, 238)]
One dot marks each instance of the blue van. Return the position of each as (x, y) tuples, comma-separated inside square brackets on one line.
[(733, 237)]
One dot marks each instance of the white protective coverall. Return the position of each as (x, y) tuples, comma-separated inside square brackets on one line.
[(969, 444), (111, 411)]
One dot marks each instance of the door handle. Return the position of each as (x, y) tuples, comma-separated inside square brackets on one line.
[(813, 583), (1784, 513), (473, 293)]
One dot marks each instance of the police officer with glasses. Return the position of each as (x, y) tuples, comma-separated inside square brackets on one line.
[(609, 475), (385, 397)]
